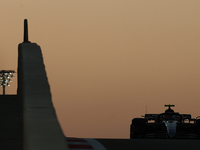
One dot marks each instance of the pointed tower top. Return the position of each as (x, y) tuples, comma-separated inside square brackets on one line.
[(26, 31)]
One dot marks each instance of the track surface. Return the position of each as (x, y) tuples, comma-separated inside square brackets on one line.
[(149, 144), (133, 144)]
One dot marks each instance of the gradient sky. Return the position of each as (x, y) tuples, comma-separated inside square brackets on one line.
[(106, 60)]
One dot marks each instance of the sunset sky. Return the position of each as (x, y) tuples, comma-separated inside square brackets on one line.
[(107, 60)]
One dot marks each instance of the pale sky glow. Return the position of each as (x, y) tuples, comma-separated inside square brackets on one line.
[(107, 60)]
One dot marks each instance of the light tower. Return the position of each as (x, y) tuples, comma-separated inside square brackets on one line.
[(5, 78)]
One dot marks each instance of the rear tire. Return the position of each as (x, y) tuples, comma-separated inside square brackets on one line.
[(198, 126), (137, 128)]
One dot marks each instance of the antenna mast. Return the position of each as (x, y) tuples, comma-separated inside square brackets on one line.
[(146, 109), (26, 31)]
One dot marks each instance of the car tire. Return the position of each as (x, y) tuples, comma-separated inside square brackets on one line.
[(137, 128), (198, 126)]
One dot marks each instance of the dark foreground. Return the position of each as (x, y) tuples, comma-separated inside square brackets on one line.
[(10, 127), (150, 144)]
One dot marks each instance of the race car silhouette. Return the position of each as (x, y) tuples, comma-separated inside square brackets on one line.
[(169, 124)]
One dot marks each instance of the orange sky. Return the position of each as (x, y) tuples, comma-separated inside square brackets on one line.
[(107, 60)]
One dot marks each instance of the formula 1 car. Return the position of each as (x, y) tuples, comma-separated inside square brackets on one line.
[(169, 124)]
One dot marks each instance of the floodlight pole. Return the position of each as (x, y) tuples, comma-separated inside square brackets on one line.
[(4, 87)]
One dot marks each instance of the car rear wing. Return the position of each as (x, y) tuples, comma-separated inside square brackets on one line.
[(151, 116)]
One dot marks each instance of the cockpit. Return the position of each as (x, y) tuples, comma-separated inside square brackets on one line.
[(167, 117)]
